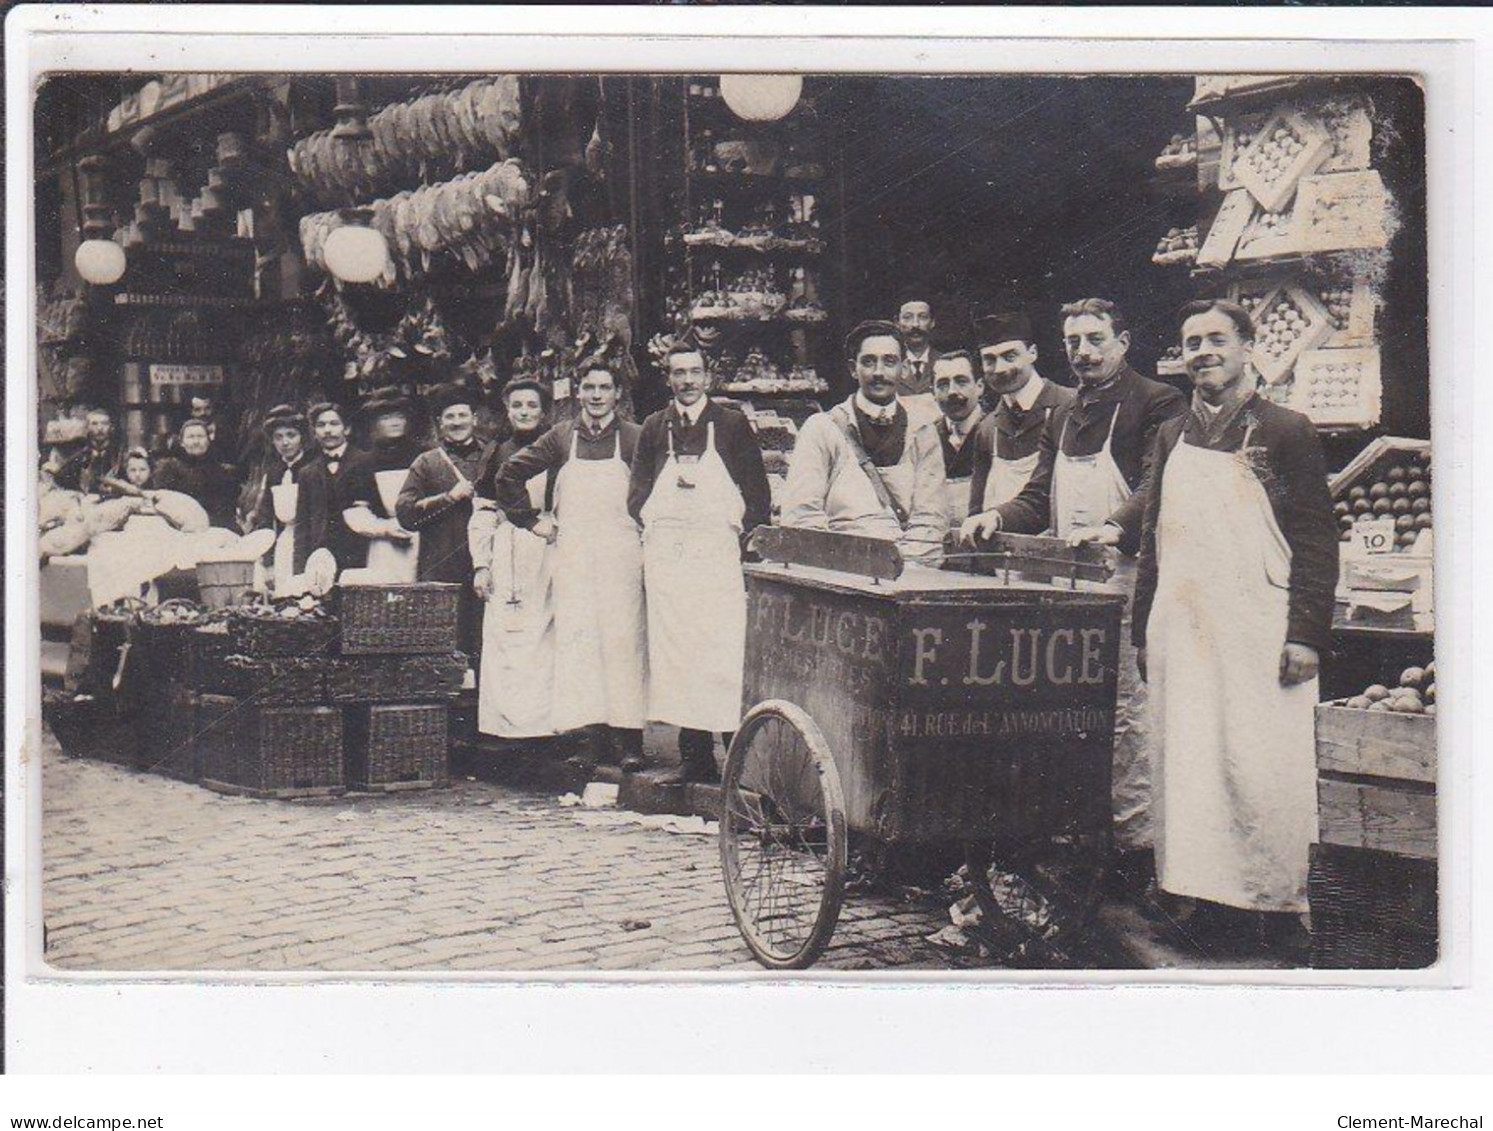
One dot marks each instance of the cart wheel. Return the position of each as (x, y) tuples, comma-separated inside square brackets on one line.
[(783, 836), (1048, 904)]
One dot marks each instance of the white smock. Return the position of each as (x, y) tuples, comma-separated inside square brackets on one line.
[(600, 640), (285, 497), (516, 692), (1086, 490), (1235, 798), (696, 595), (391, 562)]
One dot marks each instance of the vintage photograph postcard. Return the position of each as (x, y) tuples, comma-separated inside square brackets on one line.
[(731, 522)]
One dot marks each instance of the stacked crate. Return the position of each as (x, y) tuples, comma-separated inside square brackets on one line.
[(394, 680), (1373, 883)]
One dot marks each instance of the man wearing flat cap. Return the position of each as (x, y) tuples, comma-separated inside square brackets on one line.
[(1006, 446), (437, 501), (285, 428), (864, 467)]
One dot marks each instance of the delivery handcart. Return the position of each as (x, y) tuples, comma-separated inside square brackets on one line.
[(972, 704)]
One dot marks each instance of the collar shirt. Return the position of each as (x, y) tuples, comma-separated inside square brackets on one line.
[(1026, 396), (596, 429), (689, 415), (876, 413), (960, 430), (288, 468)]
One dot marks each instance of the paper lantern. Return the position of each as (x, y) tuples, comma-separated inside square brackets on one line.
[(100, 262), (761, 98), (356, 254)]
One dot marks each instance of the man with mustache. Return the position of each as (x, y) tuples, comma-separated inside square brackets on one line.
[(85, 471), (958, 396), (866, 467), (1094, 456), (1233, 609), (915, 386), (1006, 447), (698, 485)]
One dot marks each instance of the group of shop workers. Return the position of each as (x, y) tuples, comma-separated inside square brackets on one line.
[(601, 559)]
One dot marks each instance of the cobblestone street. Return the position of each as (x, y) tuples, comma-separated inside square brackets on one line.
[(142, 873)]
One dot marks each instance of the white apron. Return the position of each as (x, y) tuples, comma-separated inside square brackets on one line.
[(855, 494), (516, 693), (1086, 490), (1008, 477), (285, 497), (600, 642), (956, 500), (921, 408), (391, 562), (696, 596), (1235, 799)]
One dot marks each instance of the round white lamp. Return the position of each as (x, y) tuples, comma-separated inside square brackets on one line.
[(355, 253), (100, 262), (761, 98)]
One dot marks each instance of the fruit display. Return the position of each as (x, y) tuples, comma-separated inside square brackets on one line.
[(757, 373), (1288, 146), (1288, 321), (433, 137), (1396, 486), (1179, 245), (1414, 694), (1180, 152), (1338, 387)]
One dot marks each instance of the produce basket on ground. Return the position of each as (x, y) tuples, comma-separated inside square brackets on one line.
[(159, 639), (393, 747), (390, 679), (399, 618), (89, 726), (301, 627), (167, 733), (270, 751)]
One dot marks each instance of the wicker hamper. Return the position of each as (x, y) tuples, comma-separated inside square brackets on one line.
[(260, 636), (1372, 910), (271, 751), (397, 746), (167, 731), (404, 679), (93, 726), (267, 679), (399, 619)]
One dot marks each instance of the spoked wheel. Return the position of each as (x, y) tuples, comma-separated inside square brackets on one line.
[(1043, 903), (783, 836)]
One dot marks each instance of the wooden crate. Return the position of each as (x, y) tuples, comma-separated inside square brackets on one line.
[(1379, 744), (397, 746), (1372, 910)]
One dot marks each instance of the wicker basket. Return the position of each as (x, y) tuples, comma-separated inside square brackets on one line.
[(292, 752), (399, 619), (272, 636), (404, 679), (168, 728), (1372, 910), (268, 679), (401, 746), (88, 726), (160, 649), (221, 720)]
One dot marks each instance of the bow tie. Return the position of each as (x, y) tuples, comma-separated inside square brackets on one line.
[(882, 419)]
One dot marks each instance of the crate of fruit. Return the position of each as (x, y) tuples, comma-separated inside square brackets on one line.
[(397, 746), (159, 637), (298, 627), (393, 619), (407, 679), (1370, 910), (1376, 765), (260, 750), (1388, 485)]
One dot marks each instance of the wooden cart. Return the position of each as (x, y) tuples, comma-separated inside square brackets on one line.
[(914, 706)]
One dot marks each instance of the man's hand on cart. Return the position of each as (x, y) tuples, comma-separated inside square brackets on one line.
[(396, 533), (1298, 663), (1105, 534), (979, 526), (482, 583)]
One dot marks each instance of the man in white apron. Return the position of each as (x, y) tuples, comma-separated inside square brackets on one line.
[(512, 577), (1093, 458), (1006, 446), (1233, 609), (958, 395), (915, 385), (864, 467), (698, 484), (285, 429), (597, 569), (374, 480)]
